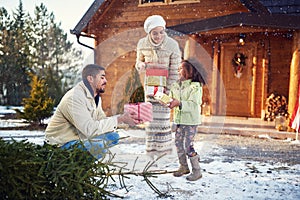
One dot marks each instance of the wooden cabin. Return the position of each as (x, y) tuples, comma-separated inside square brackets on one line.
[(210, 30)]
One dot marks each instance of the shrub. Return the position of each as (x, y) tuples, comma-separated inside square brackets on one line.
[(39, 105)]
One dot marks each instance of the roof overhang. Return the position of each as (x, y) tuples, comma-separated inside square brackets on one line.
[(87, 17), (273, 21)]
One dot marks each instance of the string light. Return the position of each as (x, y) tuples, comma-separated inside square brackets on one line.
[(242, 39)]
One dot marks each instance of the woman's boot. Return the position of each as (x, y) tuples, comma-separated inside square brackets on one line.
[(196, 173), (184, 168)]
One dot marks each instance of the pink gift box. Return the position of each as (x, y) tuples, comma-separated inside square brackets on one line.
[(157, 72), (142, 109)]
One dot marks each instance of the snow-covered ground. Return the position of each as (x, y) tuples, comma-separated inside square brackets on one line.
[(222, 177)]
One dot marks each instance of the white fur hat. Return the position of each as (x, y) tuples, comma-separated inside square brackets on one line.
[(154, 21)]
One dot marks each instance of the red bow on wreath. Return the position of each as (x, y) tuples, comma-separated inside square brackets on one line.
[(238, 62)]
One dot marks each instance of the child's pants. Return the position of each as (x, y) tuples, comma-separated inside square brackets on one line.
[(184, 139)]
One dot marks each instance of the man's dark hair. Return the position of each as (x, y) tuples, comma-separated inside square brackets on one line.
[(91, 70)]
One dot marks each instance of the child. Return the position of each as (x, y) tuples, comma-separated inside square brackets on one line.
[(187, 99)]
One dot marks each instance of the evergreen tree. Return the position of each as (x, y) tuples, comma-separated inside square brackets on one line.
[(15, 56), (53, 53), (39, 105), (40, 26), (71, 72), (5, 23), (34, 45), (133, 90)]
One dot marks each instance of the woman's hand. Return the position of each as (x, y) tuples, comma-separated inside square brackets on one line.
[(141, 66)]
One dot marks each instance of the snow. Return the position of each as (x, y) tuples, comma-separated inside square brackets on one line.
[(223, 178)]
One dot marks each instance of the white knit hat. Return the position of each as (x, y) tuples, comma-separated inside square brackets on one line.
[(154, 21)]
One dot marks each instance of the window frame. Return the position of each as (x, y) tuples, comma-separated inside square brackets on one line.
[(167, 2)]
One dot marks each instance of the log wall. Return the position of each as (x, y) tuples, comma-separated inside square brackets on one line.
[(119, 27)]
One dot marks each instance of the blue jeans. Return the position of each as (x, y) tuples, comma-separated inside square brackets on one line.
[(97, 146)]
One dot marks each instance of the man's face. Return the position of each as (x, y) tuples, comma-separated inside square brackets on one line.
[(99, 82)]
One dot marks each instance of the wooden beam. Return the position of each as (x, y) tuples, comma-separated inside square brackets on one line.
[(294, 73), (87, 17), (279, 21)]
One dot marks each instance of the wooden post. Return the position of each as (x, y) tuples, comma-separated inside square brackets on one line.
[(264, 81), (294, 73), (214, 84), (186, 53), (253, 84)]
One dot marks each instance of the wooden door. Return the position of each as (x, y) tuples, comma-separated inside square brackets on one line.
[(237, 91)]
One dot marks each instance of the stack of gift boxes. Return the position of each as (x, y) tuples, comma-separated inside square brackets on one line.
[(156, 80)]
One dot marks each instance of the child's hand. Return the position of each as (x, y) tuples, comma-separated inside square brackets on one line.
[(174, 103), (163, 98)]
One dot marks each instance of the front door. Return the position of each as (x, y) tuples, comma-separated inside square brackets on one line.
[(237, 78)]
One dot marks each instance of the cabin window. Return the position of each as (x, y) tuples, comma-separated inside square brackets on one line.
[(166, 2), (152, 1), (185, 1)]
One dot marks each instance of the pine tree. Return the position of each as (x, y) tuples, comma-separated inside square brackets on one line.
[(134, 91), (36, 45), (39, 105), (15, 56), (5, 23), (138, 94), (53, 53)]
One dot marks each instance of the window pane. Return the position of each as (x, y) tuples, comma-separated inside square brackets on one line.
[(149, 1)]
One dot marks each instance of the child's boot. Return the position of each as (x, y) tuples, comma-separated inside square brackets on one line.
[(196, 173), (184, 168)]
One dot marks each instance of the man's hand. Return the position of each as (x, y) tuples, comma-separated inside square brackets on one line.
[(129, 118)]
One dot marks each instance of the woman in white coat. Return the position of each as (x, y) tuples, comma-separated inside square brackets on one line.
[(158, 50)]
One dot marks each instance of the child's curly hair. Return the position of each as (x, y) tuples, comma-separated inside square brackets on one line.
[(192, 69)]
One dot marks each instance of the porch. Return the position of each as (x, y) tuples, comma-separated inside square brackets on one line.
[(243, 126)]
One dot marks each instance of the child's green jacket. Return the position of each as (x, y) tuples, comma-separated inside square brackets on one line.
[(190, 95)]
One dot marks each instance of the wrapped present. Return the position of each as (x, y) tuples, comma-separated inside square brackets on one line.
[(152, 90), (162, 97), (157, 72), (155, 65), (156, 80), (142, 109)]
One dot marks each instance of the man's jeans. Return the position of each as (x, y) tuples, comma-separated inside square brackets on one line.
[(97, 146)]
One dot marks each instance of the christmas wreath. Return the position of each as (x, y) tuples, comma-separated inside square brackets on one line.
[(238, 62)]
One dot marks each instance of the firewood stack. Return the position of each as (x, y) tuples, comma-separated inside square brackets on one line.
[(276, 105)]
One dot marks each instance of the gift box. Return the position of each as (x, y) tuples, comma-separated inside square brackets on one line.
[(156, 80), (157, 72), (142, 109), (152, 90), (162, 97)]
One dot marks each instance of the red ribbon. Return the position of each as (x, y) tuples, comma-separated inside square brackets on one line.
[(138, 104), (155, 90)]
